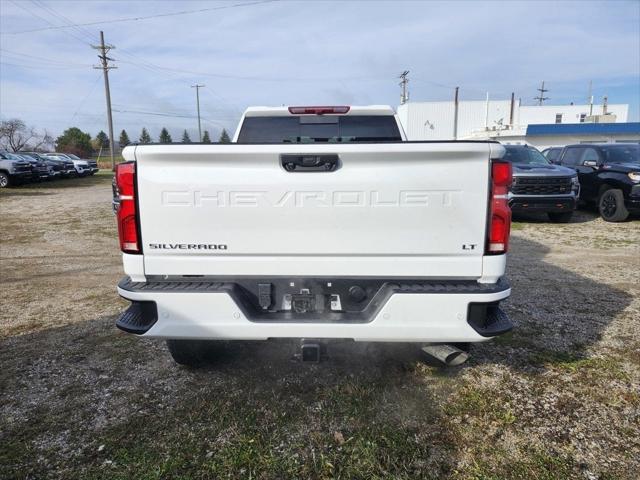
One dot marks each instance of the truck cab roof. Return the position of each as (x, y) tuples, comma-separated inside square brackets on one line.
[(286, 111)]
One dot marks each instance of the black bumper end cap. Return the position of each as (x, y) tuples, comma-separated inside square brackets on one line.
[(488, 319), (138, 318)]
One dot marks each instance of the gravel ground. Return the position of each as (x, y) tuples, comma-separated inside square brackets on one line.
[(559, 397)]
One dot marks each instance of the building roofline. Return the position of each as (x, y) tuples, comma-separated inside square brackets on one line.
[(583, 128)]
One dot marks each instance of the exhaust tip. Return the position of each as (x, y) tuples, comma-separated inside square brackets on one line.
[(447, 354)]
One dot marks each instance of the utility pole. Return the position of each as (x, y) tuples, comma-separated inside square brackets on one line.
[(104, 49), (455, 114), (486, 113), (198, 87), (511, 109), (541, 98), (590, 98), (404, 96)]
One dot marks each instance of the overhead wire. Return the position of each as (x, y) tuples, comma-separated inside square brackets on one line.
[(4, 51), (144, 17), (84, 99), (39, 67), (30, 12)]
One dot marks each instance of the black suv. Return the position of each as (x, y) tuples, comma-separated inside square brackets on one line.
[(552, 153), (39, 169), (540, 186), (609, 175), (64, 168)]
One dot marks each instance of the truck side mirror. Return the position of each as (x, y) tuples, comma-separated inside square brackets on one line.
[(591, 163)]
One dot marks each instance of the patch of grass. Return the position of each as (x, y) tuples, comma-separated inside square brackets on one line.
[(234, 435), (34, 189), (572, 363), (480, 402), (533, 464), (517, 226), (513, 339), (484, 414)]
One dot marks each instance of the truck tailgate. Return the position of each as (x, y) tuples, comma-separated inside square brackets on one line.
[(412, 209)]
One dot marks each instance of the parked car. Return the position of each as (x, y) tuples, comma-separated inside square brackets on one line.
[(540, 186), (320, 223), (93, 165), (552, 153), (13, 170), (610, 176), (81, 166), (67, 168), (55, 168), (39, 169)]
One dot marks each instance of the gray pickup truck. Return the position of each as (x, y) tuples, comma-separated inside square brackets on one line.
[(540, 186), (13, 169)]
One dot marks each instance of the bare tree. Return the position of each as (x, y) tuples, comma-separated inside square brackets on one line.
[(16, 136)]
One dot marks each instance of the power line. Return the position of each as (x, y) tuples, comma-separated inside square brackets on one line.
[(142, 63), (84, 99), (14, 2), (146, 17), (261, 79), (87, 34), (65, 20), (40, 67), (436, 84), (42, 59)]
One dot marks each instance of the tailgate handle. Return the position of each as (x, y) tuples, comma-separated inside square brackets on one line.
[(310, 162)]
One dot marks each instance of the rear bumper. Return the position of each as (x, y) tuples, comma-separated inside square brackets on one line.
[(435, 312)]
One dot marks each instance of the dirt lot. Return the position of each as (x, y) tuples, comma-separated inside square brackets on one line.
[(559, 397)]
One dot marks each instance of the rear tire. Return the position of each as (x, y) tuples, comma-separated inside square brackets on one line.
[(4, 180), (560, 217), (611, 206), (191, 353)]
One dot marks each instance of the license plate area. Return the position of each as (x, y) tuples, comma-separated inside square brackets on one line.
[(305, 296)]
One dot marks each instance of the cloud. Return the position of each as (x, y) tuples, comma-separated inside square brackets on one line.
[(306, 52)]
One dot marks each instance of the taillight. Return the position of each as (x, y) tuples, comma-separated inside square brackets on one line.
[(318, 110), (124, 204), (499, 211)]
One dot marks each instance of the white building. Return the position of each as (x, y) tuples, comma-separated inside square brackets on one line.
[(542, 136), (507, 122), (539, 114)]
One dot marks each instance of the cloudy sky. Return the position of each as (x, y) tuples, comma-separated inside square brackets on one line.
[(302, 52)]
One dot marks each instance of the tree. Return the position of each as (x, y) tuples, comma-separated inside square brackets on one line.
[(164, 136), (185, 137), (144, 136), (16, 136), (224, 137), (73, 140), (205, 137), (124, 139), (102, 140)]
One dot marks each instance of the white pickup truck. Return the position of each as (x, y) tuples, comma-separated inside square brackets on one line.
[(315, 223)]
